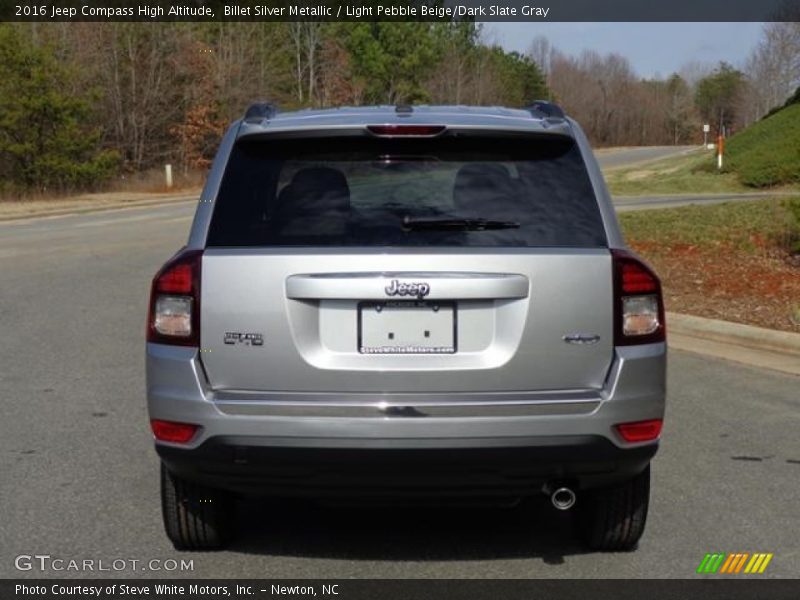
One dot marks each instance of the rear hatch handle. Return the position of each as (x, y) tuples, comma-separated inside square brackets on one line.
[(407, 286)]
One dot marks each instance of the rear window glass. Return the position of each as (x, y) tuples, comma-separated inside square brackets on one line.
[(449, 191)]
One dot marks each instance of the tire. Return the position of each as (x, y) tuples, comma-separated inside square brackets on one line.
[(195, 517), (613, 518)]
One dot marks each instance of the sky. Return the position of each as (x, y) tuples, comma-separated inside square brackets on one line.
[(654, 49)]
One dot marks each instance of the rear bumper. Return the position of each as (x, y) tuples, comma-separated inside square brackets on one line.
[(244, 465), (509, 442)]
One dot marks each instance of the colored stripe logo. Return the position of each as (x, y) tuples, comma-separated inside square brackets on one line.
[(734, 563)]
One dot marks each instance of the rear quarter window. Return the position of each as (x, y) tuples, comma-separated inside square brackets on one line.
[(533, 192)]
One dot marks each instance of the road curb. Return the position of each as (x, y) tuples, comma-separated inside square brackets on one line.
[(734, 333), (89, 208), (779, 350)]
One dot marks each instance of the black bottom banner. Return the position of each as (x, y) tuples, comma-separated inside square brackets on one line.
[(395, 589)]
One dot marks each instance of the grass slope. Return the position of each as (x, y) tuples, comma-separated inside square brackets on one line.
[(768, 152), (729, 261)]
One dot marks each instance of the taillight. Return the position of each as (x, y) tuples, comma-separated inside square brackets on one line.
[(638, 303), (406, 130), (174, 316), (640, 431), (170, 431)]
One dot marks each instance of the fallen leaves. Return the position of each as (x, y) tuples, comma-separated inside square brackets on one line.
[(723, 282)]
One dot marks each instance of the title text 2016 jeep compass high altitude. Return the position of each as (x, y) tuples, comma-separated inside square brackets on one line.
[(405, 301)]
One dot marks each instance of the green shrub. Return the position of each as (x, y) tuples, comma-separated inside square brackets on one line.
[(47, 141), (768, 152)]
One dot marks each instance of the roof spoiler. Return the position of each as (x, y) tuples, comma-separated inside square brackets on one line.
[(258, 111), (545, 109)]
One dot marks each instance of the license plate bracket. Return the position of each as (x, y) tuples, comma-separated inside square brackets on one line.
[(407, 327)]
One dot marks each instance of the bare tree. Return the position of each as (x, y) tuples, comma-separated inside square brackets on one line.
[(695, 70), (679, 109), (306, 40), (773, 67), (454, 82), (600, 91), (542, 52), (337, 83), (134, 65)]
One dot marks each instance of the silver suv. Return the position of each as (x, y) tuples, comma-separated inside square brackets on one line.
[(394, 302)]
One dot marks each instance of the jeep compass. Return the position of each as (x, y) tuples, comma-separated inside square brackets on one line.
[(402, 302)]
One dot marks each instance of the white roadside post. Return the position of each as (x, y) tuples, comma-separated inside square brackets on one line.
[(706, 129), (168, 175)]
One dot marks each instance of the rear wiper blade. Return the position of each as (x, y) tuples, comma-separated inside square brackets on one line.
[(453, 224)]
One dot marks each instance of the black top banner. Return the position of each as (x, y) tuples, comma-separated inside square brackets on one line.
[(391, 10)]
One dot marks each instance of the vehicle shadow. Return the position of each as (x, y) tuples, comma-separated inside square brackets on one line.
[(532, 529)]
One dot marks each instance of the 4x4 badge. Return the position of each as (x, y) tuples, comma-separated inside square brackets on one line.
[(581, 338), (419, 290), (246, 339)]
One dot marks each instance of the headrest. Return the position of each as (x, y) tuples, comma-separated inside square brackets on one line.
[(479, 183), (320, 180), (315, 190)]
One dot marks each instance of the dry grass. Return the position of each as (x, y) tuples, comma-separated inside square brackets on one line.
[(731, 261), (133, 190), (147, 182), (674, 175)]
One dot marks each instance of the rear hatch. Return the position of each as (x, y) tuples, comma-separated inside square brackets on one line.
[(378, 265)]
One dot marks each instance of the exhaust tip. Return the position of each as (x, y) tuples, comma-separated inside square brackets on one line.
[(563, 498)]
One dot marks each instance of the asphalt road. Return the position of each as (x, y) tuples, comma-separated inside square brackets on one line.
[(79, 477), (613, 158)]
